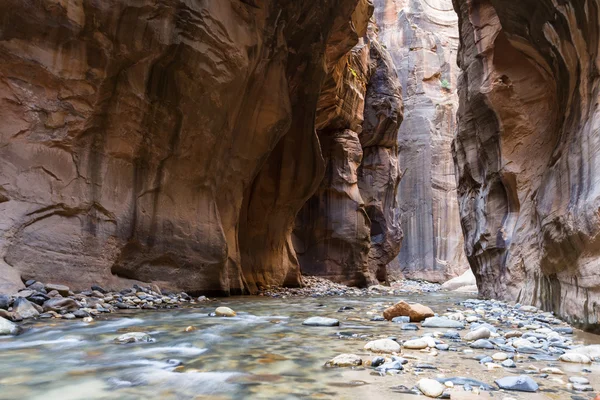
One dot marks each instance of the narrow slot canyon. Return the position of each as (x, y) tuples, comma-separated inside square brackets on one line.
[(300, 199)]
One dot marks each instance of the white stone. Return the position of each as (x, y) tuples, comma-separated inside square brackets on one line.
[(383, 346), (345, 360), (415, 344), (431, 387), (500, 356), (479, 333), (575, 358)]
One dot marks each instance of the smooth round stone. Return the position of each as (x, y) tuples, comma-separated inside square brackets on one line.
[(499, 356), (415, 344), (479, 333), (521, 383), (482, 344), (441, 322), (509, 364), (520, 343), (552, 370), (442, 347), (383, 346), (224, 312), (321, 321), (345, 360), (431, 388), (7, 327), (134, 337), (579, 380), (575, 358), (583, 388)]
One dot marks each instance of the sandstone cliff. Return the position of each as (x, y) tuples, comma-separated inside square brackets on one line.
[(527, 149), (348, 231), (422, 37), (166, 141)]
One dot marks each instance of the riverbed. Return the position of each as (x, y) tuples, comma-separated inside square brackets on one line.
[(264, 352)]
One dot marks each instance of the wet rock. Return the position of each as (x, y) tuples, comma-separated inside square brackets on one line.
[(401, 319), (69, 316), (24, 308), (383, 346), (552, 370), (7, 327), (60, 304), (462, 381), (482, 344), (415, 344), (224, 312), (4, 302), (134, 337), (81, 314), (321, 321), (390, 366), (575, 358), (441, 322), (521, 383), (479, 333), (409, 327), (431, 387), (62, 289), (38, 298), (582, 388), (416, 312), (377, 361), (344, 360), (579, 380), (442, 346)]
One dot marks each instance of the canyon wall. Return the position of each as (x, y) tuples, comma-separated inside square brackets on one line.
[(349, 230), (169, 141), (422, 37), (527, 152)]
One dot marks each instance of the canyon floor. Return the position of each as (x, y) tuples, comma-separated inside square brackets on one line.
[(266, 351)]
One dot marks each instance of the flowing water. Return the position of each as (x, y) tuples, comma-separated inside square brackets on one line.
[(264, 353)]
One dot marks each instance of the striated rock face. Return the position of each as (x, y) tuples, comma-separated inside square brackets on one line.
[(348, 231), (527, 152), (166, 141), (422, 37)]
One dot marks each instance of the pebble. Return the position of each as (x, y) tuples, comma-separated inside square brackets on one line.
[(509, 363), (383, 346), (479, 333), (579, 380), (482, 344), (552, 370), (499, 356), (431, 387), (521, 383), (409, 327), (321, 321)]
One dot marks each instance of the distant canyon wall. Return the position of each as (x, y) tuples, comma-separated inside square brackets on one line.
[(422, 37), (528, 150), (169, 141)]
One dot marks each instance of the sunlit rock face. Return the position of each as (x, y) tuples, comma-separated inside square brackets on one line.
[(169, 141), (349, 230), (527, 152), (422, 38)]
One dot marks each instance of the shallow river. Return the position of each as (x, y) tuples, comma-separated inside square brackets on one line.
[(264, 353)]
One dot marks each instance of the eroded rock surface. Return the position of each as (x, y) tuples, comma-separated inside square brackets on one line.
[(527, 151), (422, 37), (166, 141), (349, 230)]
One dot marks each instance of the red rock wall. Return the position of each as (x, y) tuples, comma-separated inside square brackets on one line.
[(167, 141), (526, 152)]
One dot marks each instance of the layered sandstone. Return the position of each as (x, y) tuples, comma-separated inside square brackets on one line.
[(527, 152), (168, 141), (348, 231), (422, 37)]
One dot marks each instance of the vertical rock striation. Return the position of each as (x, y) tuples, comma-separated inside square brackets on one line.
[(166, 141), (527, 152), (422, 37), (349, 231)]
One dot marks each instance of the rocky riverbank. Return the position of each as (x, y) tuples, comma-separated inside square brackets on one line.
[(524, 349)]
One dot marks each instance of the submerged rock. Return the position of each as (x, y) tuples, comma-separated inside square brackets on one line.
[(321, 321), (134, 337)]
